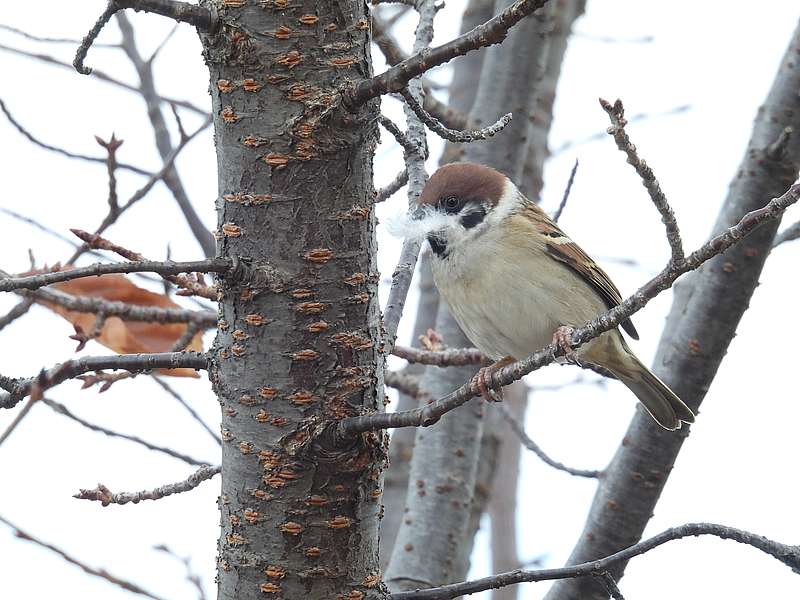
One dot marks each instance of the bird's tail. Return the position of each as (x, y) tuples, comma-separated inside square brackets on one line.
[(661, 402)]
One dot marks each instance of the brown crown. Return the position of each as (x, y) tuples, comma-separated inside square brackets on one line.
[(464, 180)]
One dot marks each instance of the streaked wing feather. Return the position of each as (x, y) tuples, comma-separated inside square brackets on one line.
[(563, 249)]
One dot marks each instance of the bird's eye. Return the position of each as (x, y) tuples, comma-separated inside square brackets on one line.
[(452, 204)]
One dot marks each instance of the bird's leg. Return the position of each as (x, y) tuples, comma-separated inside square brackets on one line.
[(563, 339), (483, 379)]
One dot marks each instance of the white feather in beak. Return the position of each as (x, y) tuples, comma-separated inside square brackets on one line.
[(417, 224)]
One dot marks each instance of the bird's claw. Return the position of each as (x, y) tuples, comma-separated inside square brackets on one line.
[(483, 380), (563, 339)]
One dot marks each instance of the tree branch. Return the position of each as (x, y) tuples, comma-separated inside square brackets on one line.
[(105, 496), (198, 16), (788, 555), (519, 430), (128, 362), (390, 190), (168, 268), (429, 414), (492, 32), (172, 180), (449, 357), (453, 135), (616, 113), (63, 410), (95, 159), (102, 573)]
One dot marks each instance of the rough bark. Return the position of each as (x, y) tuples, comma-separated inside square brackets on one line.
[(706, 310), (402, 444), (298, 339)]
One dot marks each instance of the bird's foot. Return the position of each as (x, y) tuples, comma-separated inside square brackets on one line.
[(563, 339), (483, 380)]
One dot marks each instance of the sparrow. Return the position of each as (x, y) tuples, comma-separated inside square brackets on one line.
[(514, 282)]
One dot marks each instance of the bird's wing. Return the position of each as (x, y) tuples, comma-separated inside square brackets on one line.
[(563, 249)]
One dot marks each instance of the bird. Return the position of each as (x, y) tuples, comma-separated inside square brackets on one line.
[(515, 282)]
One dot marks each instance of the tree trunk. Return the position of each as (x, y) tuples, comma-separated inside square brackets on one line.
[(298, 340)]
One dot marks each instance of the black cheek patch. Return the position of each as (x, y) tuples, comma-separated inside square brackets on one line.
[(438, 245), (473, 218)]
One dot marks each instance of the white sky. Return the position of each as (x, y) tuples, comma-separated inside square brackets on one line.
[(736, 469)]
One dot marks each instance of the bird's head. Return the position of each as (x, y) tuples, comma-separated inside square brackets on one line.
[(459, 204)]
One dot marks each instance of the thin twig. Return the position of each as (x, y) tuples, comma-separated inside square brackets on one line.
[(616, 113), (417, 177), (63, 410), (17, 419), (202, 18), (431, 413), (611, 585), (787, 235), (102, 573), (86, 364), (452, 135), (95, 159), (492, 32), (408, 146), (518, 429), (98, 74), (111, 147), (788, 555), (168, 388), (102, 494), (49, 40), (15, 313), (402, 382), (567, 190), (191, 576), (395, 186), (449, 357), (166, 268)]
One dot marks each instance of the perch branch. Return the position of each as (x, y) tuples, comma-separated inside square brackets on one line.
[(86, 364), (788, 555), (105, 496)]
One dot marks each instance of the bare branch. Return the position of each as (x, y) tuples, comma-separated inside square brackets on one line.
[(390, 190), (96, 159), (17, 419), (787, 235), (198, 16), (448, 115), (402, 382), (102, 573), (48, 40), (408, 146), (102, 494), (429, 414), (417, 177), (788, 555), (616, 113), (492, 32), (111, 147), (191, 284), (63, 410), (86, 364), (451, 134), (147, 89), (611, 585), (15, 313), (129, 312), (450, 357), (98, 74), (168, 388), (111, 218), (167, 268), (567, 190), (518, 429)]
